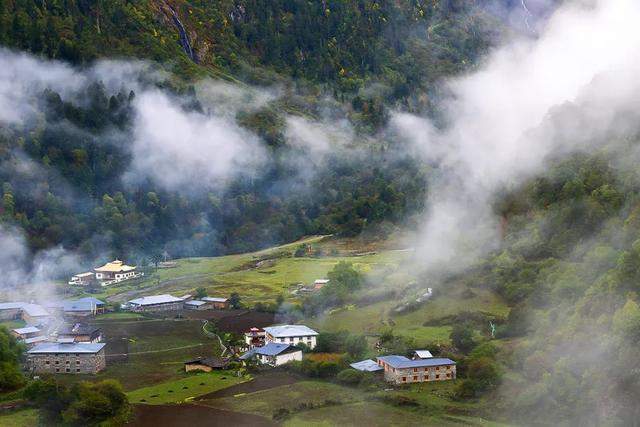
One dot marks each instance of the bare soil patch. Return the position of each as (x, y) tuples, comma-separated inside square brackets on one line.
[(192, 415), (260, 382)]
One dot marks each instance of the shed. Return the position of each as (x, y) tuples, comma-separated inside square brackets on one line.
[(421, 354), (207, 364), (366, 366)]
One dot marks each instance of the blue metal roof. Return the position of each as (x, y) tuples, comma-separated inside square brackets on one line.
[(271, 349), (67, 348), (283, 331), (403, 362), (366, 365)]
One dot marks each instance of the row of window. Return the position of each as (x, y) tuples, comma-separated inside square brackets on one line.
[(415, 377), (67, 370), (48, 362), (300, 338)]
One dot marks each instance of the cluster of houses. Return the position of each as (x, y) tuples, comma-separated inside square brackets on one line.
[(41, 314), (166, 302), (112, 272), (316, 286)]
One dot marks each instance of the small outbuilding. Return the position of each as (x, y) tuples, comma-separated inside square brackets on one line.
[(217, 303), (366, 366), (207, 364), (421, 354)]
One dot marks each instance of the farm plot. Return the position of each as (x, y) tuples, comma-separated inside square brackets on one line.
[(184, 389)]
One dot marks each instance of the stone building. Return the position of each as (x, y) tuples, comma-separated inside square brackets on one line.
[(401, 370), (69, 358), (217, 303)]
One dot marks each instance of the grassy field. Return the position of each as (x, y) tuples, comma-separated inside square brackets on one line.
[(258, 276), (20, 418), (13, 324), (290, 397), (193, 385)]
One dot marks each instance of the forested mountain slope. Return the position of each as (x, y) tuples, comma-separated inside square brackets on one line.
[(364, 55)]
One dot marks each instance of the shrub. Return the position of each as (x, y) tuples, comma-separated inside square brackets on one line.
[(350, 377)]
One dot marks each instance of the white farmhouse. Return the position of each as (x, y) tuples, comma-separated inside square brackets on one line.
[(291, 334), (274, 354)]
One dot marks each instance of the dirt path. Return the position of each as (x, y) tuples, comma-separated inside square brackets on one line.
[(192, 415)]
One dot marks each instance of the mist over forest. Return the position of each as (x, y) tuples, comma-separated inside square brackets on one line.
[(495, 141)]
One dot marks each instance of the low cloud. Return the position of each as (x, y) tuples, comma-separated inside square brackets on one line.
[(533, 98)]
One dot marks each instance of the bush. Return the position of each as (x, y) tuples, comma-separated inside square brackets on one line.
[(350, 377)]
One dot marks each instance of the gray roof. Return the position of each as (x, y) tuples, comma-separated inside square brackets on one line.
[(366, 365), (402, 362), (96, 301), (155, 299), (54, 347), (35, 339), (195, 302), (78, 329), (33, 310), (27, 330), (270, 349), (283, 331), (214, 299)]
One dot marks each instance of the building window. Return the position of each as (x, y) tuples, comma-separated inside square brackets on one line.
[(415, 369), (426, 369), (57, 369), (448, 375), (415, 378), (448, 368), (437, 368), (404, 379), (290, 339), (68, 362), (47, 362), (281, 339), (77, 362), (437, 376), (78, 370), (57, 362), (68, 370)]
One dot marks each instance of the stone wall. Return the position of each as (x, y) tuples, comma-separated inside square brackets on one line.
[(66, 363), (419, 375)]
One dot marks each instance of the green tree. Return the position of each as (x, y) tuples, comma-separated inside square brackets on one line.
[(234, 300), (10, 354), (201, 293), (462, 337)]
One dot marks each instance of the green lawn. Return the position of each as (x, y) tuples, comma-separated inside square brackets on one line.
[(290, 396), (20, 418), (192, 385)]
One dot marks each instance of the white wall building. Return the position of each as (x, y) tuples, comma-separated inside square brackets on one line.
[(291, 334), (274, 354)]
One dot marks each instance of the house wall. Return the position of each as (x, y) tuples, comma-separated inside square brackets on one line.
[(9, 313), (67, 363), (419, 375), (308, 340), (170, 306), (197, 367), (280, 359), (219, 305)]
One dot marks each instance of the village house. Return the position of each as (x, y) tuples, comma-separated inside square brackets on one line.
[(196, 305), (401, 370), (83, 279), (69, 358), (291, 334), (156, 303), (82, 307), (273, 354), (319, 284), (32, 314), (80, 333), (255, 337), (217, 303), (207, 364), (27, 332), (114, 272)]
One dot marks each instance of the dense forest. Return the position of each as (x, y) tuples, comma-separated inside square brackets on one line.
[(365, 55)]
